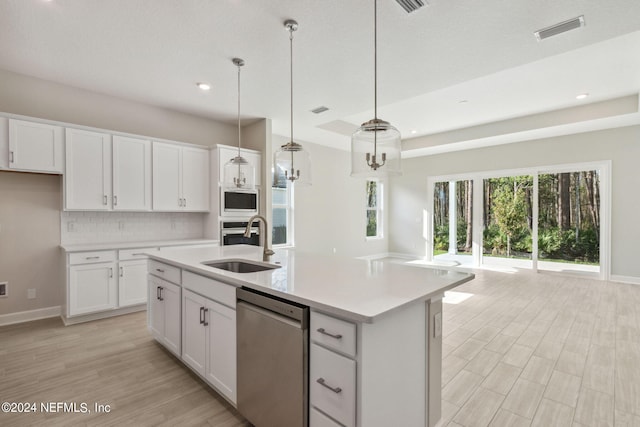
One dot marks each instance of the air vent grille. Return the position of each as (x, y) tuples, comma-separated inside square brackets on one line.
[(410, 5), (319, 110), (560, 28)]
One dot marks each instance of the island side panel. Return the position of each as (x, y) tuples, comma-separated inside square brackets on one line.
[(434, 374), (392, 369)]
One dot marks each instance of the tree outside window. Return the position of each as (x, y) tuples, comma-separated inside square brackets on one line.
[(374, 209)]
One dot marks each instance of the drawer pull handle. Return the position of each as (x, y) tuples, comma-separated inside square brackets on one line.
[(336, 336), (204, 317), (92, 257), (323, 383), (159, 270)]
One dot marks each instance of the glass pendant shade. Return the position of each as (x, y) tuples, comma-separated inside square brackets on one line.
[(376, 150), (239, 174), (292, 164)]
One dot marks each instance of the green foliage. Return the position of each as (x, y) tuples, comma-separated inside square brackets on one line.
[(279, 235), (441, 237), (555, 244)]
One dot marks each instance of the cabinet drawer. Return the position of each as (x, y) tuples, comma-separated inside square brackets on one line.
[(333, 333), (166, 271), (139, 253), (210, 288), (332, 385), (91, 257), (318, 419)]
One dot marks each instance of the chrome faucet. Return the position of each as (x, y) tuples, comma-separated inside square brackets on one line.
[(266, 254)]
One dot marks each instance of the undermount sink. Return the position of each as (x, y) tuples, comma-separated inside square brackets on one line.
[(240, 266)]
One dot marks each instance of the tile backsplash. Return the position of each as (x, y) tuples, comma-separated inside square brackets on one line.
[(106, 227)]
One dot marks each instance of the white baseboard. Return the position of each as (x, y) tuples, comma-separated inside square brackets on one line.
[(28, 316), (102, 314), (625, 279)]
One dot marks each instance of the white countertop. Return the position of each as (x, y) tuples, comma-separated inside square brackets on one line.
[(132, 245), (355, 289)]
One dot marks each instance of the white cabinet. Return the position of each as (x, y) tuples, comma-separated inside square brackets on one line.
[(226, 153), (36, 147), (105, 175), (209, 338), (132, 282), (332, 370), (92, 283), (87, 178), (131, 174), (180, 178), (164, 313)]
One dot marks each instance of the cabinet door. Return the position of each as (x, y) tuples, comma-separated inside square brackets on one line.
[(167, 193), (35, 146), (195, 179), (155, 316), (194, 331), (87, 179), (221, 357), (132, 282), (131, 174), (92, 288), (172, 319), (224, 155)]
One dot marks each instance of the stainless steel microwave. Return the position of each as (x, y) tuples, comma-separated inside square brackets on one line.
[(239, 202)]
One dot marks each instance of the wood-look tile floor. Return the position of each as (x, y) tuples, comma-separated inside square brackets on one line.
[(111, 362), (531, 349), (522, 350)]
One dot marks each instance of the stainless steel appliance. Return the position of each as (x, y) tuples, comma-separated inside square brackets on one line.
[(273, 361), (239, 202), (232, 233)]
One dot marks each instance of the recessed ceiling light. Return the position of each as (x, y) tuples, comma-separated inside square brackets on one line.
[(413, 131), (582, 96), (463, 101), (204, 86)]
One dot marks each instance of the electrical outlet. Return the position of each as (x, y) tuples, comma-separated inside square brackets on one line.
[(4, 288), (31, 293)]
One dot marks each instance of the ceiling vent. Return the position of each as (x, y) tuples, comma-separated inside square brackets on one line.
[(320, 110), (560, 28), (411, 5)]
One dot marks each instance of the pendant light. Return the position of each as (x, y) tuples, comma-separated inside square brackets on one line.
[(376, 145), (239, 174), (292, 162)]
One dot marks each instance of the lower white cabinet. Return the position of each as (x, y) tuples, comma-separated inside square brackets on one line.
[(132, 282), (209, 341), (164, 313), (92, 287)]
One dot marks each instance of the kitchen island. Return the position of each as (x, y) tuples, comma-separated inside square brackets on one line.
[(375, 327)]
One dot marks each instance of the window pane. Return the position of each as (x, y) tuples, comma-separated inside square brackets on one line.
[(279, 226), (279, 196), (441, 218), (508, 211), (569, 217), (372, 223), (372, 194)]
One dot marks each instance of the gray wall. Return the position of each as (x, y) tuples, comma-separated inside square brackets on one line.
[(30, 257), (621, 146)]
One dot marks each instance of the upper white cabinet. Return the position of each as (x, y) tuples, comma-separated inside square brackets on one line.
[(35, 147), (87, 178), (102, 174), (180, 178), (131, 174), (226, 153)]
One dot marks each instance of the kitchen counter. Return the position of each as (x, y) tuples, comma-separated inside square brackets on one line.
[(132, 245), (353, 289)]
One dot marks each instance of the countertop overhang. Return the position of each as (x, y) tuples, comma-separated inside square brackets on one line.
[(355, 289)]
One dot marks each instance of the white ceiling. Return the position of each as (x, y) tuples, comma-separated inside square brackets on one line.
[(483, 52)]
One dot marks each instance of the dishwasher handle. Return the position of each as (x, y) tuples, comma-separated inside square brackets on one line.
[(274, 307)]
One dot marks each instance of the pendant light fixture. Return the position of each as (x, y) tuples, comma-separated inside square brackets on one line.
[(239, 174), (376, 145), (291, 161)]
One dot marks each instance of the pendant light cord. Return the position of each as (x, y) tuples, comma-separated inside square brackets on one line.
[(239, 135), (375, 78), (291, 75)]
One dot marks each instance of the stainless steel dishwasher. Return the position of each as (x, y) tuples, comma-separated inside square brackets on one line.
[(273, 360)]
